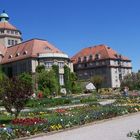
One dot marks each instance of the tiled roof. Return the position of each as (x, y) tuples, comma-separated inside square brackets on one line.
[(28, 49), (7, 25), (104, 51)]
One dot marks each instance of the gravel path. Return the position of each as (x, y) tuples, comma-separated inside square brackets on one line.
[(115, 129)]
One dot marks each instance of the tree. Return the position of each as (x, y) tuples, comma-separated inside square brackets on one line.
[(16, 93), (67, 80), (132, 81), (2, 76), (97, 81), (40, 68), (47, 82), (75, 85), (55, 68)]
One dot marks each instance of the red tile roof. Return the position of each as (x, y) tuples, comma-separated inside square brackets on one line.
[(7, 25), (104, 51), (28, 49)]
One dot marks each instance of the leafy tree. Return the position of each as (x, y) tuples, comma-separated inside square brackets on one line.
[(132, 81), (40, 68), (75, 85), (47, 82), (97, 81), (16, 93), (67, 80), (55, 68), (2, 76)]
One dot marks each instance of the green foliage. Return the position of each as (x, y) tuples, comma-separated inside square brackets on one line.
[(2, 77), (40, 68), (97, 81), (16, 93), (48, 102), (67, 80), (132, 81), (89, 99), (56, 71), (135, 135), (26, 78), (76, 87), (70, 80), (47, 82)]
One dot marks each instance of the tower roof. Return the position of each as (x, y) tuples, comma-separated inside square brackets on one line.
[(4, 24), (7, 25), (4, 17)]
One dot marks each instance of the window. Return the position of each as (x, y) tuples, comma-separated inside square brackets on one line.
[(7, 31), (2, 31), (10, 56), (97, 56), (90, 57), (79, 59), (85, 58), (48, 64), (79, 65), (15, 42), (47, 48), (97, 63), (16, 32), (61, 79), (12, 42), (25, 52), (9, 42), (61, 64), (17, 54), (12, 32)]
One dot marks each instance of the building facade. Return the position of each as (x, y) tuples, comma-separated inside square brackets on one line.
[(104, 61), (17, 57)]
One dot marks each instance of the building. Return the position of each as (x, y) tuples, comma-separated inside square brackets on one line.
[(104, 61), (17, 57)]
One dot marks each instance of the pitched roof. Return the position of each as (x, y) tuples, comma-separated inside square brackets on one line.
[(7, 25), (28, 49), (104, 51)]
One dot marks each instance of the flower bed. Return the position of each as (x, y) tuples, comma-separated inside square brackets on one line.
[(58, 119)]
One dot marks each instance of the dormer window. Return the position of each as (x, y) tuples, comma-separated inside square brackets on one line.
[(90, 57), (25, 52), (17, 54), (10, 56), (97, 56), (47, 48), (79, 59), (85, 58)]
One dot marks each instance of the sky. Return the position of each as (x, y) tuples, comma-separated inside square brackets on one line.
[(71, 25)]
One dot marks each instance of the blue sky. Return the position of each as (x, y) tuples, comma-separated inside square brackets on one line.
[(75, 24)]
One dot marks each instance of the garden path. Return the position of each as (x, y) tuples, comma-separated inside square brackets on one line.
[(108, 101), (114, 129)]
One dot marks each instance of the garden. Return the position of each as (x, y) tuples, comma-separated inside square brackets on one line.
[(43, 120), (23, 115)]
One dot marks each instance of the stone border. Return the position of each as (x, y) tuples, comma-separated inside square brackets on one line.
[(77, 126)]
